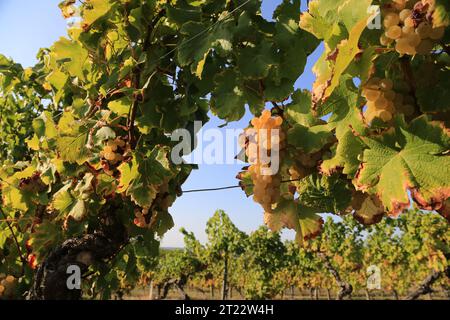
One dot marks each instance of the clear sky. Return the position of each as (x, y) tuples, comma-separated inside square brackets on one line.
[(27, 25)]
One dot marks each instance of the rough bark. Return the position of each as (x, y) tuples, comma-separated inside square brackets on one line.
[(426, 286), (345, 288), (225, 278), (184, 295), (50, 282), (395, 293)]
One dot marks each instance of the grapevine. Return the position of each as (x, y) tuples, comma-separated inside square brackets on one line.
[(86, 170)]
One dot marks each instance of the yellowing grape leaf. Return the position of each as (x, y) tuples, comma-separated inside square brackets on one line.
[(346, 53), (94, 10), (73, 148), (44, 126), (292, 215), (441, 15), (63, 200), (128, 172), (368, 208), (121, 106), (142, 178), (12, 195), (78, 211), (340, 24), (33, 143), (72, 55), (410, 157)]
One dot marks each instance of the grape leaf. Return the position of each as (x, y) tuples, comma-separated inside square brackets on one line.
[(291, 215), (345, 155), (368, 208), (95, 10), (410, 157), (72, 55), (325, 193)]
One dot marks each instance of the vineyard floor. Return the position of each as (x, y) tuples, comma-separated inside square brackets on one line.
[(205, 294)]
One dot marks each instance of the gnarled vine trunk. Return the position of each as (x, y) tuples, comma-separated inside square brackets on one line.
[(345, 288), (426, 286), (50, 281)]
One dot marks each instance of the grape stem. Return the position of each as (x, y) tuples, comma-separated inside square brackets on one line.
[(19, 250)]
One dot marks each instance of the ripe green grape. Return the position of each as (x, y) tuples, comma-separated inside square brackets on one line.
[(266, 184), (394, 32), (110, 156), (410, 24), (391, 19), (405, 13), (385, 41), (384, 106)]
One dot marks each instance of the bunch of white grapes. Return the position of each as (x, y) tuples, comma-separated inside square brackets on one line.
[(162, 203), (111, 151), (7, 285), (408, 24), (260, 142), (383, 101)]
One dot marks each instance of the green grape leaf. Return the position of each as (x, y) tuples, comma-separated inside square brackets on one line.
[(299, 110), (255, 62), (63, 200), (128, 172), (410, 157), (73, 148), (164, 223), (437, 87), (324, 19), (345, 155), (228, 99), (193, 48), (246, 182), (142, 178), (57, 79), (44, 126), (346, 53), (326, 193), (441, 14), (121, 107), (72, 55), (46, 236), (15, 197), (309, 140), (95, 10), (33, 143), (344, 108), (180, 13)]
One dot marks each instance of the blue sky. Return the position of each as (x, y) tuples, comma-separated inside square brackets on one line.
[(27, 25)]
